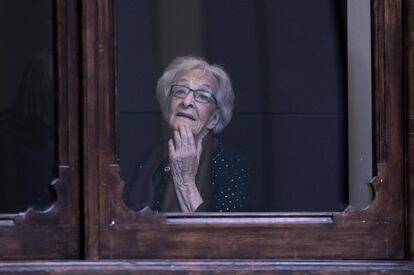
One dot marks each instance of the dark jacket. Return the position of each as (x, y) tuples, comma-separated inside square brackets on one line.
[(222, 181)]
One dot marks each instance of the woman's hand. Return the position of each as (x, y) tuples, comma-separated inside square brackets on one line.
[(184, 155)]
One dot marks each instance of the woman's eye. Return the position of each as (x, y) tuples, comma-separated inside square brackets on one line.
[(204, 96), (180, 91)]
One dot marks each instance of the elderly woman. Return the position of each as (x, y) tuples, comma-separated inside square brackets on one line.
[(192, 171)]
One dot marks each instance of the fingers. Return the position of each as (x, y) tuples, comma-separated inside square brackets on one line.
[(177, 140), (183, 135), (171, 148), (184, 155), (189, 138), (184, 139), (199, 147), (200, 144)]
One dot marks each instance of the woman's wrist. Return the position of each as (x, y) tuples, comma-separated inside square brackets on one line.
[(188, 196)]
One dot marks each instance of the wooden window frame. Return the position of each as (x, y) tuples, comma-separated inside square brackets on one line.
[(115, 232), (55, 232), (86, 46)]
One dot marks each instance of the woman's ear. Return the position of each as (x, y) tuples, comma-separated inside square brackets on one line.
[(213, 120)]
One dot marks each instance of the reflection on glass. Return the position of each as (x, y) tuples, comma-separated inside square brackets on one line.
[(288, 66), (27, 105)]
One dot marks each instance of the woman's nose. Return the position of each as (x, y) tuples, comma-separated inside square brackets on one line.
[(189, 100)]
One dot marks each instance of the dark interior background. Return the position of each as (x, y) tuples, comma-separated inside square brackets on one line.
[(288, 63), (27, 104)]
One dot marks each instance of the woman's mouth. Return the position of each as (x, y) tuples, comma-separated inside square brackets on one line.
[(185, 115)]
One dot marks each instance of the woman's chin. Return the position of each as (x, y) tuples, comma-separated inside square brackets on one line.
[(182, 121)]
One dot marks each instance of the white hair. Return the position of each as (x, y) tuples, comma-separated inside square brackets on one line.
[(218, 78)]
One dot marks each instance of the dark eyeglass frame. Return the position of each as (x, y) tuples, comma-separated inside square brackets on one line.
[(194, 92)]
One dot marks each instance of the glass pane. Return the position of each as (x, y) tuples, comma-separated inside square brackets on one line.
[(27, 102), (285, 147)]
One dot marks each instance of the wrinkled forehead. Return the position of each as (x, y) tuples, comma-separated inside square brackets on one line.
[(204, 79)]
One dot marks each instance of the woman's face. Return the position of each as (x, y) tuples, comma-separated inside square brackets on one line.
[(201, 117)]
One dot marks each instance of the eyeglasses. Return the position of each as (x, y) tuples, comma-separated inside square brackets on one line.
[(201, 96)]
